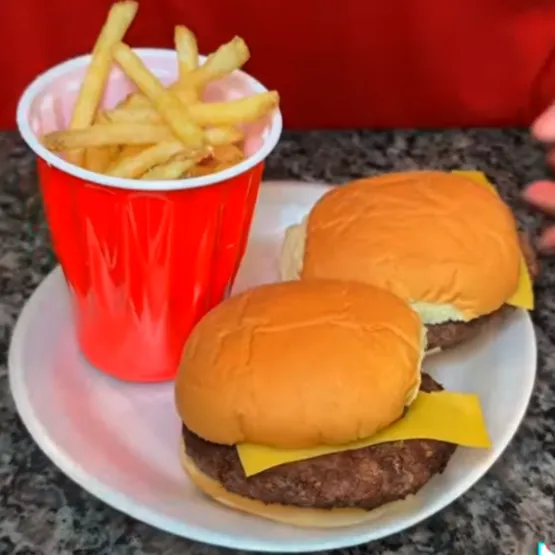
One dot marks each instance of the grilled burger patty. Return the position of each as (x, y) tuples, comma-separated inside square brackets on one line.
[(363, 478), (451, 333)]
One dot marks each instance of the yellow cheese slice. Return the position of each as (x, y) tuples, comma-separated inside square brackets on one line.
[(479, 177), (443, 416), (523, 297)]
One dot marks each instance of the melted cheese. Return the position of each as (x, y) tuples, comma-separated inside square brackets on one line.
[(443, 416)]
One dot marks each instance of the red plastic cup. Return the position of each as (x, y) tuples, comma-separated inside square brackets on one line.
[(144, 260)]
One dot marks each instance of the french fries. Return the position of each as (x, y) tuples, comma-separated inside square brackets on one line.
[(160, 132), (110, 134), (131, 150), (165, 102), (226, 59), (219, 136), (136, 165), (233, 112), (97, 159), (170, 170), (187, 52), (113, 134), (227, 154), (222, 157), (187, 57), (129, 113), (211, 166), (119, 19)]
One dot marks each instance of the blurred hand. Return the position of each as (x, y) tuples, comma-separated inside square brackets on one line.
[(541, 194)]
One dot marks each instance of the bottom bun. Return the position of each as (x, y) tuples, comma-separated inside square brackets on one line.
[(287, 514)]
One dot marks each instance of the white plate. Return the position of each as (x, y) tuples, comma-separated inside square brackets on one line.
[(120, 441)]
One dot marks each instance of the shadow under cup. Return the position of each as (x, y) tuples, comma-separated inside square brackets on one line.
[(144, 260)]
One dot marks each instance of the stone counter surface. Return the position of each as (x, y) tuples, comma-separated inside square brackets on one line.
[(506, 513)]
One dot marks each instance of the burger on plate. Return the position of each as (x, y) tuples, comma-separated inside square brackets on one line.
[(299, 366), (441, 241)]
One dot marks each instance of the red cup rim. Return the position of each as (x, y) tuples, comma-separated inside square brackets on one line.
[(24, 126)]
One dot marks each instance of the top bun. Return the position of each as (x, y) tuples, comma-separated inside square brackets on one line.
[(300, 364), (442, 242)]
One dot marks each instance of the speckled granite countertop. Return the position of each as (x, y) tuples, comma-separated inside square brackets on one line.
[(507, 512)]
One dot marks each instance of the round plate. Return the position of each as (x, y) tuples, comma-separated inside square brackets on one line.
[(120, 441)]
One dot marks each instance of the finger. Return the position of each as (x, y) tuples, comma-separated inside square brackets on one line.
[(544, 127), (546, 242), (541, 194), (529, 251)]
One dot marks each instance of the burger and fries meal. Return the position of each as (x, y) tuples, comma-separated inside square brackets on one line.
[(304, 401), (158, 132)]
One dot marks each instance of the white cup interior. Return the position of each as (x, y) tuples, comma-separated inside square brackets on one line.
[(47, 104)]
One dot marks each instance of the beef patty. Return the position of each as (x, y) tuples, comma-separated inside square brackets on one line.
[(364, 478), (450, 334)]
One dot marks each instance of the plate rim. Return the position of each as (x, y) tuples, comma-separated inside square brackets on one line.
[(126, 505)]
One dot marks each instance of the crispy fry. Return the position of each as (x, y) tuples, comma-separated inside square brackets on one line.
[(119, 19), (207, 168), (228, 154), (199, 170), (224, 60), (136, 165), (134, 100), (187, 56), (142, 114), (165, 102), (187, 51), (131, 134), (98, 158), (171, 170), (127, 151), (222, 157), (106, 135), (131, 150), (187, 95), (232, 112), (217, 136)]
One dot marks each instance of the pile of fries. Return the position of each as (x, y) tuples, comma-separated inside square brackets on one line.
[(158, 132)]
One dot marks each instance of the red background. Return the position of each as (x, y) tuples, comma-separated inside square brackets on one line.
[(352, 63)]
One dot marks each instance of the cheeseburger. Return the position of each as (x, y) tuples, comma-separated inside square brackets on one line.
[(441, 241), (300, 365)]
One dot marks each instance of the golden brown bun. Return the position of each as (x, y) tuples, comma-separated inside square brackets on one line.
[(430, 237), (300, 364), (296, 516)]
